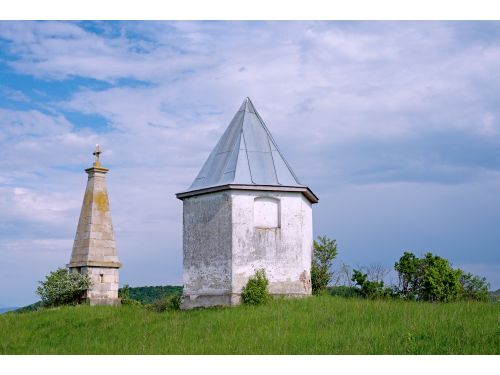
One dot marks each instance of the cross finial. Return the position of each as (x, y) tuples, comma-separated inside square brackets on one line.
[(96, 153)]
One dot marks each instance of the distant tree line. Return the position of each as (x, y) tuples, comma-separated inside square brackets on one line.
[(156, 298), (148, 294), (62, 287), (430, 278)]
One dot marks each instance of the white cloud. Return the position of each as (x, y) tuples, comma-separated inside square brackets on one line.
[(12, 94), (57, 50), (488, 124), (51, 207)]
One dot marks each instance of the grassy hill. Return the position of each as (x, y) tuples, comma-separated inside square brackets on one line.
[(316, 325)]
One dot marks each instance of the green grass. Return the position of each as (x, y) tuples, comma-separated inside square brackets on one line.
[(316, 325)]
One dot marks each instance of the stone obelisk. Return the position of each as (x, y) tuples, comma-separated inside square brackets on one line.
[(94, 250)]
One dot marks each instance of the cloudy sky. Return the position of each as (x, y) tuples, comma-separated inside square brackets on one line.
[(394, 125)]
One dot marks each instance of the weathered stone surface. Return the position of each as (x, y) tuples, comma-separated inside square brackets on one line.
[(94, 249), (207, 249), (229, 235)]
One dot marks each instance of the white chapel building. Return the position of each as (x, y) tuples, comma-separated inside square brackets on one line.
[(246, 210)]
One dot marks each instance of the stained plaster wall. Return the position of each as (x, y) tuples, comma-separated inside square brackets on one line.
[(228, 235), (284, 251), (207, 250)]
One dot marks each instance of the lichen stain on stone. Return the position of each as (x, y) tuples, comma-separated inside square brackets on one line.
[(101, 201), (306, 280), (87, 200)]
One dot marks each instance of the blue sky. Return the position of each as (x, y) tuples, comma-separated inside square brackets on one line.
[(394, 125)]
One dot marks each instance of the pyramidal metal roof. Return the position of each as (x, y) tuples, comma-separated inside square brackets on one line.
[(246, 155)]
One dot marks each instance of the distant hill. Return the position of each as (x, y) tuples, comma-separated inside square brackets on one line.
[(143, 294), (5, 309), (33, 307), (148, 294)]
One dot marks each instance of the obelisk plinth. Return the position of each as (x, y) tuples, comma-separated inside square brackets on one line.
[(94, 249)]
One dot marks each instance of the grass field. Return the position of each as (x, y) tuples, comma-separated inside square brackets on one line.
[(316, 325)]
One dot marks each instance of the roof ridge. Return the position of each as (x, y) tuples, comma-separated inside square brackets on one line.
[(264, 162), (236, 144), (271, 138), (246, 148)]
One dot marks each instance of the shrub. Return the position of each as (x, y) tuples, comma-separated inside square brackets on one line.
[(410, 272), (256, 291), (325, 251), (148, 294), (345, 291), (370, 289), (430, 278), (62, 287), (124, 292), (474, 288), (124, 295), (440, 282), (170, 302)]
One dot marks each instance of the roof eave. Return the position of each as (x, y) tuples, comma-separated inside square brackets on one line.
[(302, 189)]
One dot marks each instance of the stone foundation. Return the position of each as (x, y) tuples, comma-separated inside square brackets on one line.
[(205, 300), (104, 289), (104, 301), (199, 301)]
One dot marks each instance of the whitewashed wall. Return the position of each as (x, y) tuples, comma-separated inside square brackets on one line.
[(272, 231), (207, 250), (229, 235)]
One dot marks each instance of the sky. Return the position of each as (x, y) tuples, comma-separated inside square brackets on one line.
[(395, 126)]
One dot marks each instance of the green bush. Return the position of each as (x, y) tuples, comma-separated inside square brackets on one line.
[(345, 291), (370, 289), (166, 303), (124, 295), (62, 287), (148, 294), (430, 278), (325, 251), (440, 281), (256, 291), (494, 296), (474, 288), (410, 272), (124, 292)]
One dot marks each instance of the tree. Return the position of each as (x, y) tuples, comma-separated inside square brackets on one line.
[(345, 272), (63, 288), (325, 251), (410, 272), (370, 289), (440, 282), (430, 278), (169, 302), (376, 272), (474, 288)]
